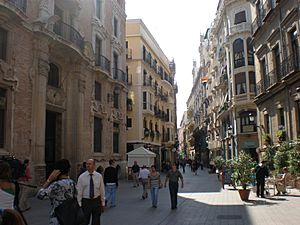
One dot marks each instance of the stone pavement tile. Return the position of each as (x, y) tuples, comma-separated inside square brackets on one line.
[(201, 202)]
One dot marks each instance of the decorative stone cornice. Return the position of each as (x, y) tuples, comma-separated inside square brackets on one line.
[(81, 85), (56, 96), (117, 45), (99, 28), (116, 115), (98, 108)]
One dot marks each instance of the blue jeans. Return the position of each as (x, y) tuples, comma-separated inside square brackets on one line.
[(154, 195), (110, 193)]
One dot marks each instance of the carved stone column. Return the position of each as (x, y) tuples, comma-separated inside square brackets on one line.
[(39, 108)]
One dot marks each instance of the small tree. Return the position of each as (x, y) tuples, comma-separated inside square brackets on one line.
[(242, 166), (270, 154), (281, 158), (295, 160), (219, 162)]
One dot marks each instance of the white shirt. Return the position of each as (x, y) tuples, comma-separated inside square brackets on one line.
[(7, 200), (144, 173), (83, 187)]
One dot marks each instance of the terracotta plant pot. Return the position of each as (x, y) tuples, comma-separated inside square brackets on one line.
[(244, 194)]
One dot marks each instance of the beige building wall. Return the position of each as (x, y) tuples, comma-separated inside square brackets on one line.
[(276, 42), (48, 91), (151, 96)]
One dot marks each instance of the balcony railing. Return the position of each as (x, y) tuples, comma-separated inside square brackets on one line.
[(69, 33), (260, 87), (102, 62), (119, 75), (19, 4), (256, 24), (240, 28), (267, 7), (290, 64)]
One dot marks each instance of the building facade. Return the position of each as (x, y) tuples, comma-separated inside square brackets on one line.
[(275, 30), (62, 81), (151, 103)]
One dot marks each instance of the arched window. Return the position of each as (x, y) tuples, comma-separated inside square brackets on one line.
[(53, 75), (250, 52), (238, 52)]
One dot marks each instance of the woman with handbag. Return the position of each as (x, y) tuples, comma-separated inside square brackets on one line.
[(59, 188)]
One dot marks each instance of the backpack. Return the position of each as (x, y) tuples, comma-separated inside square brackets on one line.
[(22, 172)]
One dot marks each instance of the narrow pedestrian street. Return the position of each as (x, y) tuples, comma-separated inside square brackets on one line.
[(201, 202)]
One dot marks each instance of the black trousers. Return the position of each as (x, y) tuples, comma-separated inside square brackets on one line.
[(92, 207), (173, 188), (260, 188)]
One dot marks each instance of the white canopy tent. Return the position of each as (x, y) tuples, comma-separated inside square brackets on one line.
[(142, 155)]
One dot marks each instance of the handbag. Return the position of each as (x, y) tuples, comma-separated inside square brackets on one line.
[(69, 212)]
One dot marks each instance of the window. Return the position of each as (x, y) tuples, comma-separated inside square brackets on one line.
[(250, 52), (129, 122), (238, 51), (97, 134), (144, 100), (295, 48), (263, 69), (98, 8), (145, 122), (248, 121), (252, 82), (116, 24), (240, 84), (150, 102), (98, 51), (116, 63), (168, 115), (53, 75), (116, 135), (144, 53), (3, 43), (116, 99), (267, 123), (98, 90), (240, 17), (2, 116), (281, 118), (276, 55)]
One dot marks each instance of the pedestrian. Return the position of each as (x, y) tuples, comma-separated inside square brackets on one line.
[(173, 177), (58, 188), (143, 176), (91, 193), (282, 183), (111, 183), (183, 165), (261, 173), (82, 168), (24, 189), (10, 217), (154, 184), (194, 167), (135, 173)]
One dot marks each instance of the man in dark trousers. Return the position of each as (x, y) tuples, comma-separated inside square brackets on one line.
[(111, 183), (91, 193), (261, 173), (173, 177), (135, 174)]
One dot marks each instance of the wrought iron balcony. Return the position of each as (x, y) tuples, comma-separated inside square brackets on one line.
[(290, 64), (257, 23), (119, 75), (102, 62), (19, 4), (260, 87), (69, 33)]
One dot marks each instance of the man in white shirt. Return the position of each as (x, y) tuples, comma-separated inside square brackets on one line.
[(91, 193), (143, 176)]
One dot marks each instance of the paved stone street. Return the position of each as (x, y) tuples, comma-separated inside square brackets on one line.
[(201, 202)]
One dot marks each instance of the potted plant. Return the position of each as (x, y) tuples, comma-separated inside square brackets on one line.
[(281, 135), (267, 139), (295, 160), (146, 132), (242, 166), (152, 134), (281, 158)]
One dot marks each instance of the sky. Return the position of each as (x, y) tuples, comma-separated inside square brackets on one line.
[(176, 25)]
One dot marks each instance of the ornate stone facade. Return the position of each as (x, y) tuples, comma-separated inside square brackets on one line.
[(56, 80)]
